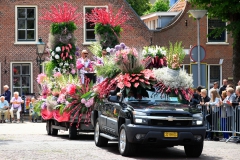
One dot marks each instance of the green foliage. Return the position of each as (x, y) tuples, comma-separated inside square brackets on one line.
[(108, 70), (175, 49), (108, 35), (159, 5), (48, 67), (37, 107), (96, 49), (58, 28), (140, 6)]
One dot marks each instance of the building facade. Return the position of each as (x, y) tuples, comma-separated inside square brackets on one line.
[(20, 29)]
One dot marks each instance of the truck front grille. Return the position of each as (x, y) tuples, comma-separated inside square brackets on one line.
[(165, 123)]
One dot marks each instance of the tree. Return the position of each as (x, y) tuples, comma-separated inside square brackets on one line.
[(140, 6), (159, 5), (228, 11)]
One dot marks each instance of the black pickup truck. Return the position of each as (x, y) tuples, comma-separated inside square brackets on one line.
[(153, 121)]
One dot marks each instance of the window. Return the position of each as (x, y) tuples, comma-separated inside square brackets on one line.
[(214, 75), (186, 67), (89, 35), (216, 23), (26, 24), (21, 78)]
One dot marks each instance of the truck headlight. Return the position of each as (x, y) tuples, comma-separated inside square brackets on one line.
[(140, 121), (197, 119)]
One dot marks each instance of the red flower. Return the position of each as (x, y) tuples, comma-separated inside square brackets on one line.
[(62, 13), (147, 82), (71, 89), (136, 85), (142, 80)]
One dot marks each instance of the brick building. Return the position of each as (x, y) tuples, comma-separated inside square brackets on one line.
[(184, 28), (20, 28)]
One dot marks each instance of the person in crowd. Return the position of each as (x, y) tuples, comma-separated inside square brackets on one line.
[(198, 91), (215, 86), (213, 115), (195, 100), (4, 106), (7, 93), (228, 103), (236, 105), (84, 65), (223, 87), (230, 85), (33, 115), (16, 102), (223, 121)]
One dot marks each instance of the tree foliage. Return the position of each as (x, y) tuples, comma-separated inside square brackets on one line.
[(159, 5), (228, 11), (140, 6)]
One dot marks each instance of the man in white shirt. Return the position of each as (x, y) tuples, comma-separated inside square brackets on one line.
[(16, 106), (215, 86)]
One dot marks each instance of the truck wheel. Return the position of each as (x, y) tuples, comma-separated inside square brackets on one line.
[(99, 141), (125, 148), (193, 150), (72, 131), (48, 127), (54, 132)]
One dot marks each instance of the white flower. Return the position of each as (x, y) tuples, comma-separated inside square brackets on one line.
[(53, 53), (61, 64), (57, 56), (66, 64), (64, 70), (58, 49), (182, 80)]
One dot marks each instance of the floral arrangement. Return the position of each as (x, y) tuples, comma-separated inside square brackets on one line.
[(175, 55), (154, 57), (108, 25), (136, 82), (102, 89), (61, 45), (178, 84)]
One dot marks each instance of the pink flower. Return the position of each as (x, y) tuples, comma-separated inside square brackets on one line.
[(57, 74), (41, 77), (73, 71), (136, 85), (71, 89), (120, 85), (83, 101), (61, 98), (88, 104)]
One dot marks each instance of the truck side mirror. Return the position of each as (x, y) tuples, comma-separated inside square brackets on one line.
[(113, 99)]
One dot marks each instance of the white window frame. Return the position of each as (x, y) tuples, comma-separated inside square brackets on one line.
[(31, 73), (217, 43), (16, 26), (84, 23), (220, 82)]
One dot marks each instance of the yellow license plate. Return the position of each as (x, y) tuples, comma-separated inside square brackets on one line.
[(171, 134)]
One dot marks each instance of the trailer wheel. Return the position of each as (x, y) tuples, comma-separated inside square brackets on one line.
[(72, 131), (48, 127), (54, 132)]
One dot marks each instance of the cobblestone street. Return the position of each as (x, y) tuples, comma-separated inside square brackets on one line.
[(30, 141)]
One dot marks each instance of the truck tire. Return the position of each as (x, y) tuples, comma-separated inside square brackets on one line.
[(48, 127), (72, 131), (124, 146), (54, 132), (193, 150), (99, 141)]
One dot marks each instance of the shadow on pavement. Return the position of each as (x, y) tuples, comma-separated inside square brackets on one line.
[(81, 137), (145, 152)]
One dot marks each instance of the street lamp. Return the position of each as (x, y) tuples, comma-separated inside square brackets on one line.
[(40, 50), (198, 14)]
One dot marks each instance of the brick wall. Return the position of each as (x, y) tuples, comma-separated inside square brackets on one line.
[(188, 35), (137, 35)]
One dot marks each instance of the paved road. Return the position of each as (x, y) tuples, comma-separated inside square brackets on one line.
[(28, 141)]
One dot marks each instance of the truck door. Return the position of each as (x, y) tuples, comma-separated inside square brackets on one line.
[(112, 119)]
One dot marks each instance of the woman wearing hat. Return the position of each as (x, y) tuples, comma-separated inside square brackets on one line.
[(84, 65)]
